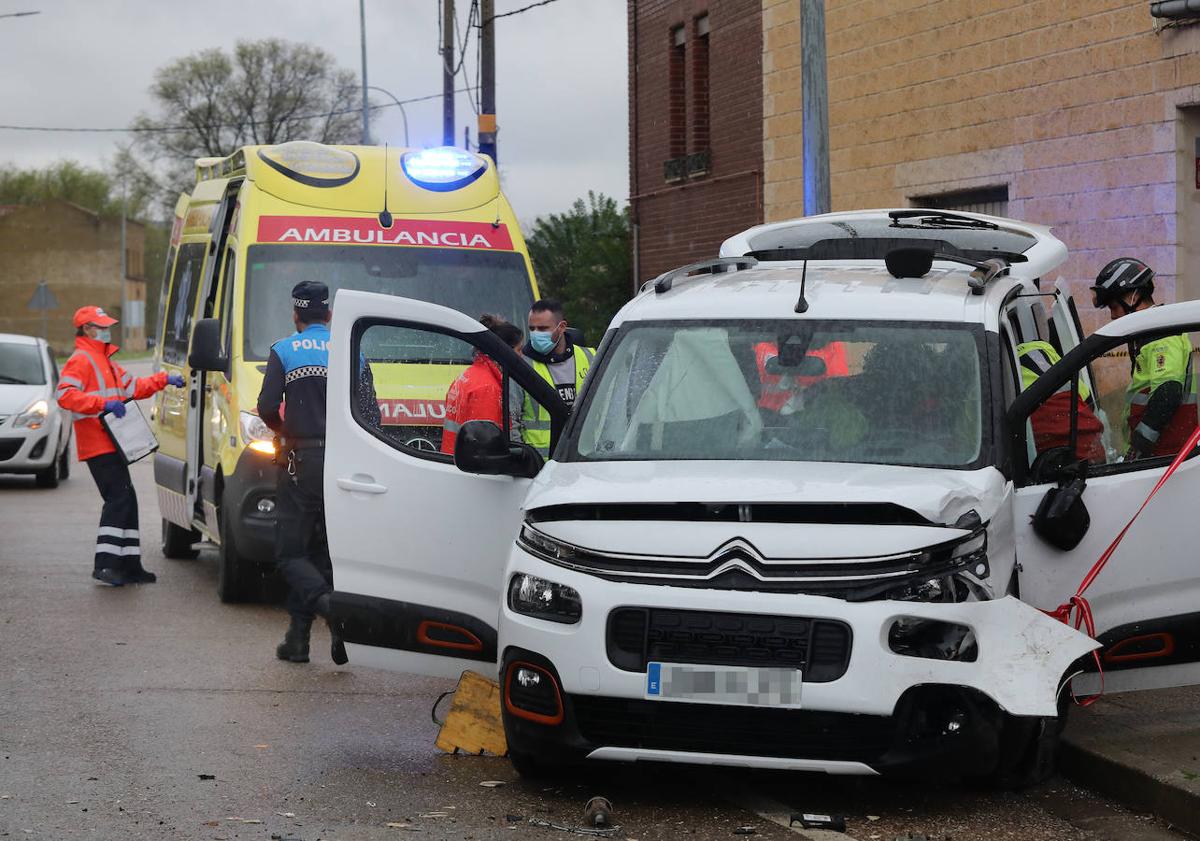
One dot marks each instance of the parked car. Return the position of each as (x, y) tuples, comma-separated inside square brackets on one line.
[(849, 581), (35, 434)]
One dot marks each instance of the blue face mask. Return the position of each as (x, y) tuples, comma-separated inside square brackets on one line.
[(542, 341), (104, 336)]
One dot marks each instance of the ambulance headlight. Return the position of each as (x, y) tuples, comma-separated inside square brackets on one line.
[(443, 168), (257, 435), (529, 595)]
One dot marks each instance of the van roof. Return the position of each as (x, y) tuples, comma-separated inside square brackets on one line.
[(858, 290)]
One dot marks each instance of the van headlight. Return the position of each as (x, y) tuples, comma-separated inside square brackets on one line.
[(33, 417), (256, 434), (954, 573), (529, 595)]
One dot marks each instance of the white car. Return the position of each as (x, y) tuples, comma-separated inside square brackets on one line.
[(35, 434), (795, 519)]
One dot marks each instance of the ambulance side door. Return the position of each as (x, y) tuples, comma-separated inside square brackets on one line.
[(1146, 601), (418, 545)]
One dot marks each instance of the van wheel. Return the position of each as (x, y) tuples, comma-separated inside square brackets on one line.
[(237, 578), (177, 542), (1028, 753), (47, 478)]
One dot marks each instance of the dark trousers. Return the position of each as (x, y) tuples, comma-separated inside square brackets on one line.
[(118, 545), (301, 548)]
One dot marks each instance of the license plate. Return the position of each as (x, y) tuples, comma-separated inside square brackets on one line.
[(741, 685)]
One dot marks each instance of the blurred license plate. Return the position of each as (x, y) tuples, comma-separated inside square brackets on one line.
[(723, 684)]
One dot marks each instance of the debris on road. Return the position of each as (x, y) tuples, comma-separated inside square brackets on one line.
[(207, 776), (810, 820), (608, 832), (493, 783), (745, 830), (473, 725), (598, 812)]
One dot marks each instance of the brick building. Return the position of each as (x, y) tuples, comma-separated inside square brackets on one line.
[(78, 253), (1080, 114), (695, 127)]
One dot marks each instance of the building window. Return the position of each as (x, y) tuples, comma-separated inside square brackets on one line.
[(989, 200), (700, 123), (677, 93)]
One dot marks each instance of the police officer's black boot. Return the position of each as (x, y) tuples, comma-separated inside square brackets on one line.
[(337, 647), (294, 647)]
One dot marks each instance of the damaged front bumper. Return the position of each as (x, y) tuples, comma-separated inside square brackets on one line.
[(1011, 660)]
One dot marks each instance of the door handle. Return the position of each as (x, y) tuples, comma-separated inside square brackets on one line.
[(361, 484)]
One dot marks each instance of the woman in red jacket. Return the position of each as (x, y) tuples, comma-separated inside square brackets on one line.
[(91, 384), (478, 393)]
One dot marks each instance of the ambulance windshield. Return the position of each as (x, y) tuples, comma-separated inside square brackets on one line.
[(472, 282), (844, 391)]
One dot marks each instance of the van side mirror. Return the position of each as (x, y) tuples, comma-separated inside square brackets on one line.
[(483, 447), (206, 353)]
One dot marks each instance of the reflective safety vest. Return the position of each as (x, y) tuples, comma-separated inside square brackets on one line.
[(776, 391), (88, 381), (535, 420), (1036, 359), (1168, 359), (477, 394)]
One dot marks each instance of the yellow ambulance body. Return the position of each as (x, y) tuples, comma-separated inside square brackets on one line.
[(427, 224)]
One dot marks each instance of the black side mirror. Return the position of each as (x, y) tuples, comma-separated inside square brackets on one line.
[(483, 447), (206, 353)]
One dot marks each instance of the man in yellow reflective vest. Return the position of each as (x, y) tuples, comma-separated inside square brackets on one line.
[(559, 362), (1161, 398), (1051, 421)]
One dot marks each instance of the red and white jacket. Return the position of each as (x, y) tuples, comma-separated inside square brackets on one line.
[(88, 381)]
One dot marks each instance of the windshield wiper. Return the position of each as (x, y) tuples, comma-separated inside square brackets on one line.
[(939, 219), (4, 378)]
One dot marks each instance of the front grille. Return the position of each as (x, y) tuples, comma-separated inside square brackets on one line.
[(747, 731), (9, 447), (820, 648)]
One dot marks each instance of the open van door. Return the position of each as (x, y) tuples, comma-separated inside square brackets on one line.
[(1146, 601), (418, 545)]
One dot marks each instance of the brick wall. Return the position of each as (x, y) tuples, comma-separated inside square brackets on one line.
[(78, 254), (1073, 104), (683, 222)]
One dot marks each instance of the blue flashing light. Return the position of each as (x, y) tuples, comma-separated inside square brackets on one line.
[(442, 168)]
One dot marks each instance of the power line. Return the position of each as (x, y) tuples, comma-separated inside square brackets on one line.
[(247, 123), (518, 11), (19, 14)]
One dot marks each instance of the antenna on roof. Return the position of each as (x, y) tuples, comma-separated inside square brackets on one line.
[(802, 304), (385, 215)]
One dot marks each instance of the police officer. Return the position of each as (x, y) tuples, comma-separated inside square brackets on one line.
[(559, 362), (1160, 370), (292, 403)]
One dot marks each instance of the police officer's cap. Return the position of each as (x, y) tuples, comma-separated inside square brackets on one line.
[(311, 296)]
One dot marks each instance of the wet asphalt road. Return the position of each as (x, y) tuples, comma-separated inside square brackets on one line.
[(158, 712)]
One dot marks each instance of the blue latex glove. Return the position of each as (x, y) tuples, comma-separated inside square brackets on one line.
[(116, 407), (176, 380)]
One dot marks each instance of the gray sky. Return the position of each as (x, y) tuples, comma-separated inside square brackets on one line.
[(560, 70)]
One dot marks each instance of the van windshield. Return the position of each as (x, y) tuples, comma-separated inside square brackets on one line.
[(472, 282), (839, 391)]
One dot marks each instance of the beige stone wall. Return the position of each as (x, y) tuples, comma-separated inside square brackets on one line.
[(1074, 104)]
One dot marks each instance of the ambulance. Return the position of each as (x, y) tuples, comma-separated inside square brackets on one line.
[(425, 224)]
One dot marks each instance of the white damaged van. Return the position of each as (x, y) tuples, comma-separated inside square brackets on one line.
[(791, 521)]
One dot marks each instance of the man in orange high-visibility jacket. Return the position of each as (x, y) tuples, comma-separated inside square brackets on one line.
[(92, 384)]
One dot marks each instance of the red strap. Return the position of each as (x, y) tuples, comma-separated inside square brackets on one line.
[(1077, 606)]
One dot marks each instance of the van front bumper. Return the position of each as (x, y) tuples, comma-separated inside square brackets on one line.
[(882, 711)]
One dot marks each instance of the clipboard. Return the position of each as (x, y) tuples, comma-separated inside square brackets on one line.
[(131, 434)]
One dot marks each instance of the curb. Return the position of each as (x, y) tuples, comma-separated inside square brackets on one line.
[(1130, 786)]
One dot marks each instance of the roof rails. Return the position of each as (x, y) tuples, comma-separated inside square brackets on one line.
[(666, 280), (210, 168)]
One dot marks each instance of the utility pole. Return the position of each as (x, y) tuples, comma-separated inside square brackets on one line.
[(125, 325), (814, 88), (486, 134), (447, 72), (366, 112)]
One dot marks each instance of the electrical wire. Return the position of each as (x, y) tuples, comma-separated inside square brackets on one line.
[(471, 15), (247, 123), (518, 11)]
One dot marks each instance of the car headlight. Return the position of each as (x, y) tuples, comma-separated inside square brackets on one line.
[(33, 417), (948, 569), (529, 595), (257, 435)]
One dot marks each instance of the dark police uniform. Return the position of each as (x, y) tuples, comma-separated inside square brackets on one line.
[(296, 378)]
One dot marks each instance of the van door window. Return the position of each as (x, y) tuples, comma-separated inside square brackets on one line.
[(226, 305), (163, 294), (418, 386), (181, 307)]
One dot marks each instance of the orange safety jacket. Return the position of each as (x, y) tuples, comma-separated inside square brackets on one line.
[(88, 381), (775, 392), (477, 394)]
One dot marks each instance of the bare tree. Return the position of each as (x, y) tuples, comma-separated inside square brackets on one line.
[(270, 91)]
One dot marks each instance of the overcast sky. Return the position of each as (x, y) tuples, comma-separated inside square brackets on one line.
[(560, 70)]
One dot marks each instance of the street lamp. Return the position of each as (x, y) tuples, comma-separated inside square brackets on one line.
[(390, 95)]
